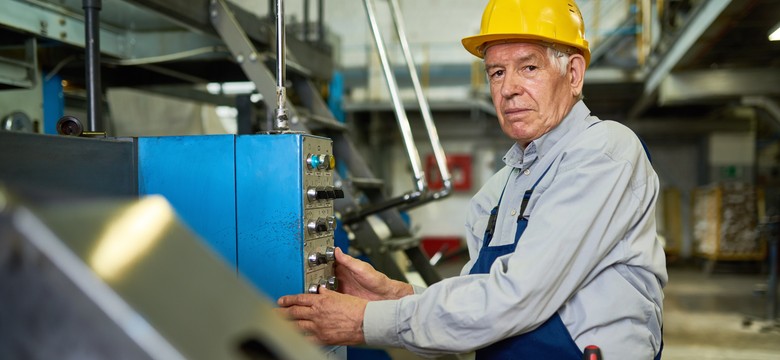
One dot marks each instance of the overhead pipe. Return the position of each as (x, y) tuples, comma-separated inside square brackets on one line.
[(306, 20), (92, 32), (281, 115), (765, 103), (320, 22)]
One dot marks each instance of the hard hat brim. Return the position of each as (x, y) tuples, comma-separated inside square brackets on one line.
[(474, 44)]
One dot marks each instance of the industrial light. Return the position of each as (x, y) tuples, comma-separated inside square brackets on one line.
[(774, 34)]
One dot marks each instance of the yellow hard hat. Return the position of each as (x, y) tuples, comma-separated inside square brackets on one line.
[(555, 21)]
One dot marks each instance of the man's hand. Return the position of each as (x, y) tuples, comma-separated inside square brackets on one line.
[(328, 318), (359, 279)]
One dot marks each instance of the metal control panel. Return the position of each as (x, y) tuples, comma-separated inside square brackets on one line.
[(263, 202)]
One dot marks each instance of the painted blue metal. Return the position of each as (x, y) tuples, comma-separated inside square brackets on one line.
[(53, 103), (197, 176), (270, 212)]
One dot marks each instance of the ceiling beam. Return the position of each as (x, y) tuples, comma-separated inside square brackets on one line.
[(699, 22), (706, 86)]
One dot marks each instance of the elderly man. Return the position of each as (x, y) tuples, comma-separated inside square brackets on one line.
[(562, 240)]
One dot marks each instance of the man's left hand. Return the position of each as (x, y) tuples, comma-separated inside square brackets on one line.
[(329, 318)]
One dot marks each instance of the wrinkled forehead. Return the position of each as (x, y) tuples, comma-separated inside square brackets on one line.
[(543, 45)]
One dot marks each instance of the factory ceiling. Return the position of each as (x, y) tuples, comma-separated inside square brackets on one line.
[(708, 54)]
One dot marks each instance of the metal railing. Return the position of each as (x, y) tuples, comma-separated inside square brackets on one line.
[(420, 194)]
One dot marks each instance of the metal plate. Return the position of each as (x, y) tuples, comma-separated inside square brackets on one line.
[(196, 175)]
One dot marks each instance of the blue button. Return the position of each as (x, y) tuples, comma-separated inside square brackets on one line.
[(315, 161)]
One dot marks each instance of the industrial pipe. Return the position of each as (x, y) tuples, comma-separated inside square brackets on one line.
[(400, 114), (430, 126), (92, 32), (281, 116), (320, 22)]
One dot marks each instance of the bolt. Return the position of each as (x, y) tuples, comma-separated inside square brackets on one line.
[(240, 58)]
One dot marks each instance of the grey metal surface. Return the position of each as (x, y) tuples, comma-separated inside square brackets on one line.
[(717, 85), (125, 280), (54, 168)]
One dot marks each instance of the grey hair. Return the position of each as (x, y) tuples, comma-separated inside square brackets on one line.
[(560, 59)]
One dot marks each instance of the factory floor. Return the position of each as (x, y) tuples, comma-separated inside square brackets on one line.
[(707, 316)]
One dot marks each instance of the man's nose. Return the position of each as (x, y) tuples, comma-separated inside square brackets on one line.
[(512, 85)]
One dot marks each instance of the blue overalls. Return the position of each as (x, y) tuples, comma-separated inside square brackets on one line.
[(551, 340)]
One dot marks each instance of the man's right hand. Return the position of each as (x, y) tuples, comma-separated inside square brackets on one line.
[(358, 278)]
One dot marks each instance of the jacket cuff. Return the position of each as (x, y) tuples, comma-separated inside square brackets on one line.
[(380, 324)]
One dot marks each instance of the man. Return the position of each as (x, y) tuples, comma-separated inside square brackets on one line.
[(562, 240)]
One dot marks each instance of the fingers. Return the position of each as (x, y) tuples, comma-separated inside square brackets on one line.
[(300, 313), (300, 299), (352, 264), (342, 258)]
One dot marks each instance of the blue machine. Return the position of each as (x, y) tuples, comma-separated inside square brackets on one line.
[(263, 202)]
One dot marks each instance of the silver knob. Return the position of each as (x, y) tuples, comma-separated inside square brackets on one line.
[(311, 226), (333, 283), (324, 162), (330, 254), (316, 258), (311, 193), (314, 288)]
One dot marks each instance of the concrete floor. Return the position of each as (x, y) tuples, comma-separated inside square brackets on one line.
[(704, 316)]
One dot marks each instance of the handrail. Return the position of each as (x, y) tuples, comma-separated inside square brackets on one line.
[(400, 114), (430, 126)]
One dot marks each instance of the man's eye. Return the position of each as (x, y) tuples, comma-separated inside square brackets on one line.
[(497, 73), (531, 68)]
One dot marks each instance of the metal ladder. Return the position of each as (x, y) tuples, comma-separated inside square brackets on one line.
[(376, 227)]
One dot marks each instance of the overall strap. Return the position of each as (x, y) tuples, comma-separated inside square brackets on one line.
[(491, 225)]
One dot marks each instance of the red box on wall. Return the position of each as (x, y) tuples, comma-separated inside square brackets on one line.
[(446, 244), (460, 170)]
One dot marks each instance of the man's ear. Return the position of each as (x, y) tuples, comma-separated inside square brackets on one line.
[(577, 73)]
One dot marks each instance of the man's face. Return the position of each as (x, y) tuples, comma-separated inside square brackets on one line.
[(529, 93)]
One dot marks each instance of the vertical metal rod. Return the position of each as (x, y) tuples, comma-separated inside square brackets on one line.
[(433, 135), (92, 32), (320, 22), (772, 282), (305, 20), (400, 114), (281, 117)]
